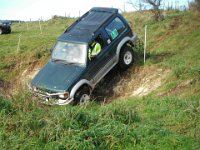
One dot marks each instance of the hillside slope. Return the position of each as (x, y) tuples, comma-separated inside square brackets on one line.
[(155, 105)]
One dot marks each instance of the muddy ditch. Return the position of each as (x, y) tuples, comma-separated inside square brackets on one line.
[(136, 81)]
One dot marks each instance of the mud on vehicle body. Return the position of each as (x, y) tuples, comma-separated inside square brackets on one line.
[(5, 27), (71, 75)]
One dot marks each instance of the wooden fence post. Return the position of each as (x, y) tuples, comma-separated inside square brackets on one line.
[(40, 27), (145, 43), (18, 45)]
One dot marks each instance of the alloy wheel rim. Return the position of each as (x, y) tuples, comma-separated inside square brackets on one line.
[(84, 99), (128, 58)]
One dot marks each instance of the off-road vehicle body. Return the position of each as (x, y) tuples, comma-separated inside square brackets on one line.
[(70, 75), (5, 27)]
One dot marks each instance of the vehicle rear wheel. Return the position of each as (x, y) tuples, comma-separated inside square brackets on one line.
[(126, 57), (1, 31), (9, 31), (82, 96)]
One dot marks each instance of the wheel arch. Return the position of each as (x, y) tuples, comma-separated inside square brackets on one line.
[(80, 84), (124, 41)]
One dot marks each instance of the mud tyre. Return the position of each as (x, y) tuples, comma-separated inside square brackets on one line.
[(126, 57), (9, 31), (82, 96)]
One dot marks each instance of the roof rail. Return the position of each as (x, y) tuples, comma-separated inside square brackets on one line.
[(105, 9)]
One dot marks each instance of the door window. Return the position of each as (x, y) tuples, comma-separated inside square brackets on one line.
[(115, 28)]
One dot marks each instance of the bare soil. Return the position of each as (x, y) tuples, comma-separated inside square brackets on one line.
[(137, 81)]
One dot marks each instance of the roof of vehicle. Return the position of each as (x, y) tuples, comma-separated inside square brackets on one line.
[(5, 21), (85, 27)]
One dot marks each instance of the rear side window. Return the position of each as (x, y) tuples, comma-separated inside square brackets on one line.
[(115, 28)]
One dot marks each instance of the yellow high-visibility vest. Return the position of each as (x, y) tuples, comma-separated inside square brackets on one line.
[(95, 51)]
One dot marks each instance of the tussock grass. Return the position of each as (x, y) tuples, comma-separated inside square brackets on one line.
[(43, 127), (147, 123)]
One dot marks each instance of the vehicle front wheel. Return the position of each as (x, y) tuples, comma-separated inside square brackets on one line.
[(126, 57), (82, 96)]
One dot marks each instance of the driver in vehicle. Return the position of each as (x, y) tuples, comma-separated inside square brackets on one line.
[(94, 50)]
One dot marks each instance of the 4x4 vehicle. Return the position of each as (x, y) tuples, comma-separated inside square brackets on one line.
[(72, 73), (5, 27)]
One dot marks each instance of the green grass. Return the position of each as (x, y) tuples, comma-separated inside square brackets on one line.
[(169, 121), (148, 123)]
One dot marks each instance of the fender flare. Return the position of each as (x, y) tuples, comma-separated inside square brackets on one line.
[(78, 85)]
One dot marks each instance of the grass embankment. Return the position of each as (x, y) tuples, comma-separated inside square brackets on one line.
[(168, 121)]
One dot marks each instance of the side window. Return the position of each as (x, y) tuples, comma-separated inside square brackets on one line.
[(115, 28)]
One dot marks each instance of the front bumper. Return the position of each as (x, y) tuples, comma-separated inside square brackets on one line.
[(50, 98)]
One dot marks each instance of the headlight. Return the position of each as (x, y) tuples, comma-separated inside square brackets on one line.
[(64, 95)]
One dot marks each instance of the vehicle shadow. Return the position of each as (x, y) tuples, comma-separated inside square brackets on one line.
[(104, 90)]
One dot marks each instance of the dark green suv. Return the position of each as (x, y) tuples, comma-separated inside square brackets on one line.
[(71, 73), (5, 27)]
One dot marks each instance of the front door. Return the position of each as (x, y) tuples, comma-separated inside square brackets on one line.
[(100, 64)]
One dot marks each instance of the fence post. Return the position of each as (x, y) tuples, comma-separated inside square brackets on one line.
[(27, 26), (40, 27), (145, 43), (18, 45)]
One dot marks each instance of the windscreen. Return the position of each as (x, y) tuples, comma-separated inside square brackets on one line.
[(70, 52)]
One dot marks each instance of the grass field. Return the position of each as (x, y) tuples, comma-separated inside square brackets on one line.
[(167, 118)]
